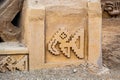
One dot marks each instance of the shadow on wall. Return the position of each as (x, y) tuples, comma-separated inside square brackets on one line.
[(1, 40), (16, 20)]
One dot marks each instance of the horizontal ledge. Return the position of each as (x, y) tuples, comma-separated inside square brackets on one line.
[(12, 48)]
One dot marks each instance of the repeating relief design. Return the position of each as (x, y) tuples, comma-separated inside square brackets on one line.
[(10, 63), (66, 43)]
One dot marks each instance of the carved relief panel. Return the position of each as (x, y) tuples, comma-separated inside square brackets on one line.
[(62, 32), (13, 63), (111, 8), (67, 43), (65, 36), (13, 57)]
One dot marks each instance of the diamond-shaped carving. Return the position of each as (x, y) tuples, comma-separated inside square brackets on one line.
[(63, 35)]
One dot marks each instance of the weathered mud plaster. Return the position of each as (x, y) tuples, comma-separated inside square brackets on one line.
[(62, 32)]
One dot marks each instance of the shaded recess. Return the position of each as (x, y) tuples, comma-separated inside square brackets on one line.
[(16, 20), (9, 20), (2, 1), (1, 40)]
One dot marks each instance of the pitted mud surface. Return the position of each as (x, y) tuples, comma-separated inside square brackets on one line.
[(111, 43)]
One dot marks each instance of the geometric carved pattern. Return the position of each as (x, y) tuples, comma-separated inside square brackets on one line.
[(8, 10), (12, 63), (63, 42), (112, 8)]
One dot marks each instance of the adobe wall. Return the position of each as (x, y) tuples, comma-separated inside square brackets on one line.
[(56, 33), (62, 32)]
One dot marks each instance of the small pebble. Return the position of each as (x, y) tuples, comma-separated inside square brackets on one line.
[(75, 70)]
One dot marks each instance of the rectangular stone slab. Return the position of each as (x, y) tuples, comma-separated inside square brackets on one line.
[(33, 25), (13, 48), (94, 33)]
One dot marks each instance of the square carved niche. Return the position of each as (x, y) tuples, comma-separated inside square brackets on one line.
[(65, 34), (61, 32)]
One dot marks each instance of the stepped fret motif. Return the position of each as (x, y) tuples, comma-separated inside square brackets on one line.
[(67, 43)]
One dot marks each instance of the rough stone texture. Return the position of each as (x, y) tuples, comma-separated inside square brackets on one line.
[(111, 43), (53, 30), (63, 73), (8, 10)]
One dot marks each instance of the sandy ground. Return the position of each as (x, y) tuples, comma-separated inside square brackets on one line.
[(111, 60)]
